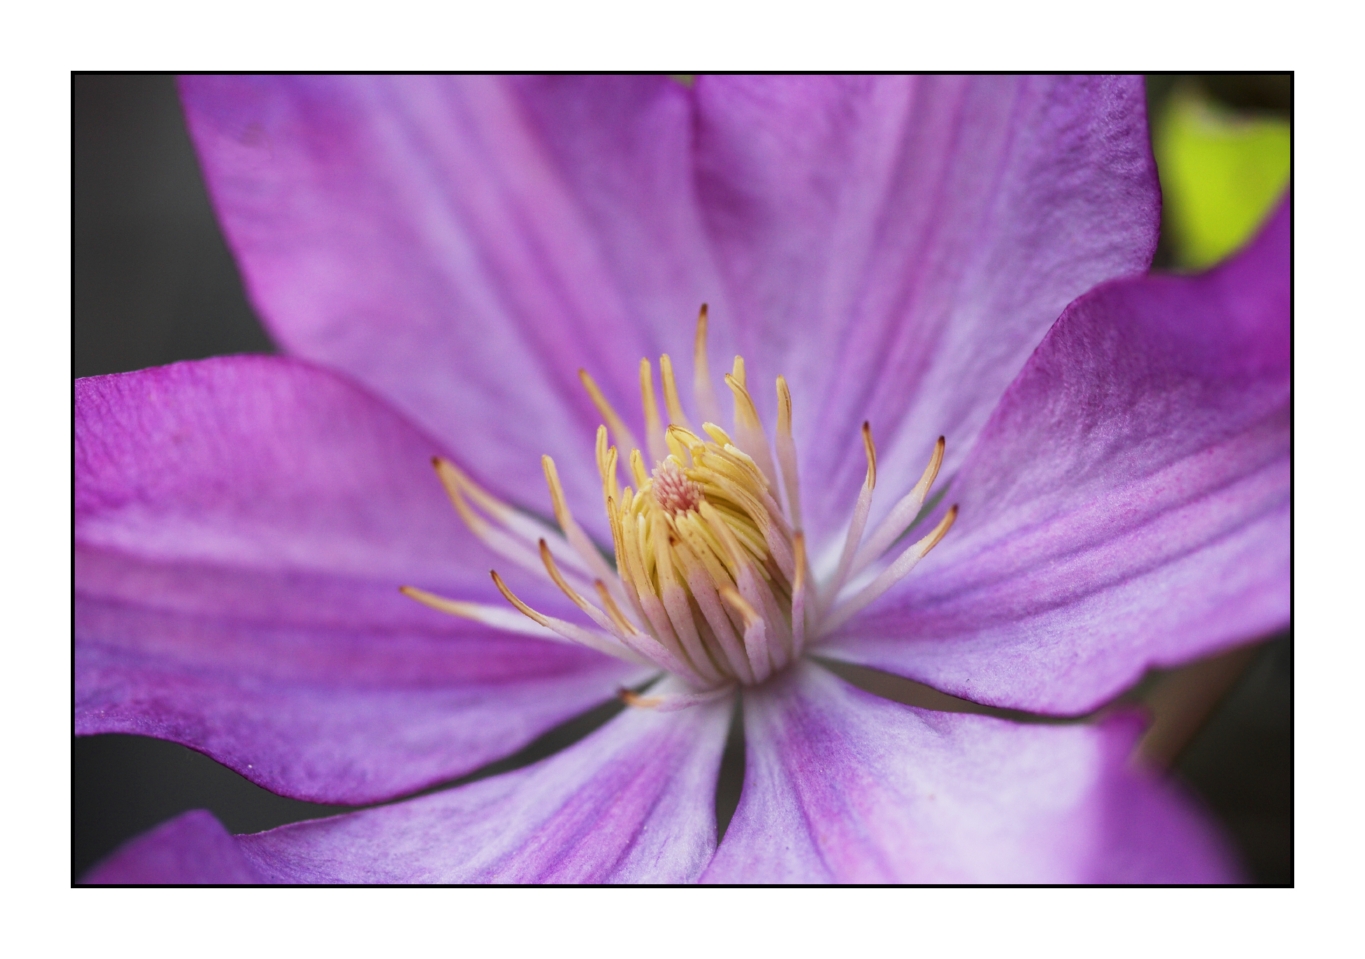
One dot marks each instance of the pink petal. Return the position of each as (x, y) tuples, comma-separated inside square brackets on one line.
[(842, 786), (1127, 506), (463, 245), (897, 247), (634, 802), (242, 526)]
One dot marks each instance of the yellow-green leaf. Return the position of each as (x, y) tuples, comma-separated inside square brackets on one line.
[(1221, 172)]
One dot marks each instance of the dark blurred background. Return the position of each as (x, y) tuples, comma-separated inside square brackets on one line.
[(153, 282)]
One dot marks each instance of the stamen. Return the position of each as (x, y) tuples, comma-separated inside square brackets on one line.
[(450, 479), (799, 594), (901, 515), (606, 466), (718, 435), (859, 521), (702, 391), (712, 580), (751, 436), (637, 581), (755, 633), (679, 613), (498, 617), (889, 576), (637, 469), (614, 611), (684, 437), (624, 438), (654, 428), (756, 593), (786, 452), (570, 631), (452, 476), (675, 437), (669, 702), (639, 648), (702, 584), (498, 540), (671, 400), (598, 617), (578, 539)]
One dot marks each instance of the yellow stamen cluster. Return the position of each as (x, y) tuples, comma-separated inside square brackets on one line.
[(706, 555), (711, 572)]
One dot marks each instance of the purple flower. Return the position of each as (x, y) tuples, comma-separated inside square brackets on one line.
[(936, 257)]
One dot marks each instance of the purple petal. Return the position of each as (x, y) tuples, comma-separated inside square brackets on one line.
[(634, 802), (242, 526), (897, 246), (1127, 506), (842, 786), (191, 849), (463, 245)]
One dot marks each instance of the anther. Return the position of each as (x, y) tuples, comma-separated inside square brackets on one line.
[(671, 400), (901, 515), (624, 438), (570, 631), (703, 392), (499, 617), (859, 520), (893, 573), (786, 452), (799, 594), (654, 427), (750, 428)]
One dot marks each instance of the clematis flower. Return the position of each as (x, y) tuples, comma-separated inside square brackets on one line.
[(969, 443)]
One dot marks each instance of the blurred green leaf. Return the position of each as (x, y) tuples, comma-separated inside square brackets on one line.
[(1221, 172)]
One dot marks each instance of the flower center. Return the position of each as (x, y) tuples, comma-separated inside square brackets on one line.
[(712, 582), (707, 557), (673, 490)]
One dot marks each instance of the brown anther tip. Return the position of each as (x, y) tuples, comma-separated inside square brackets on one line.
[(870, 447), (631, 698), (948, 518), (436, 462)]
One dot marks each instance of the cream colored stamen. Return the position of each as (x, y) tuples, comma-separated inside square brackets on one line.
[(858, 521), (702, 391), (618, 427)]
